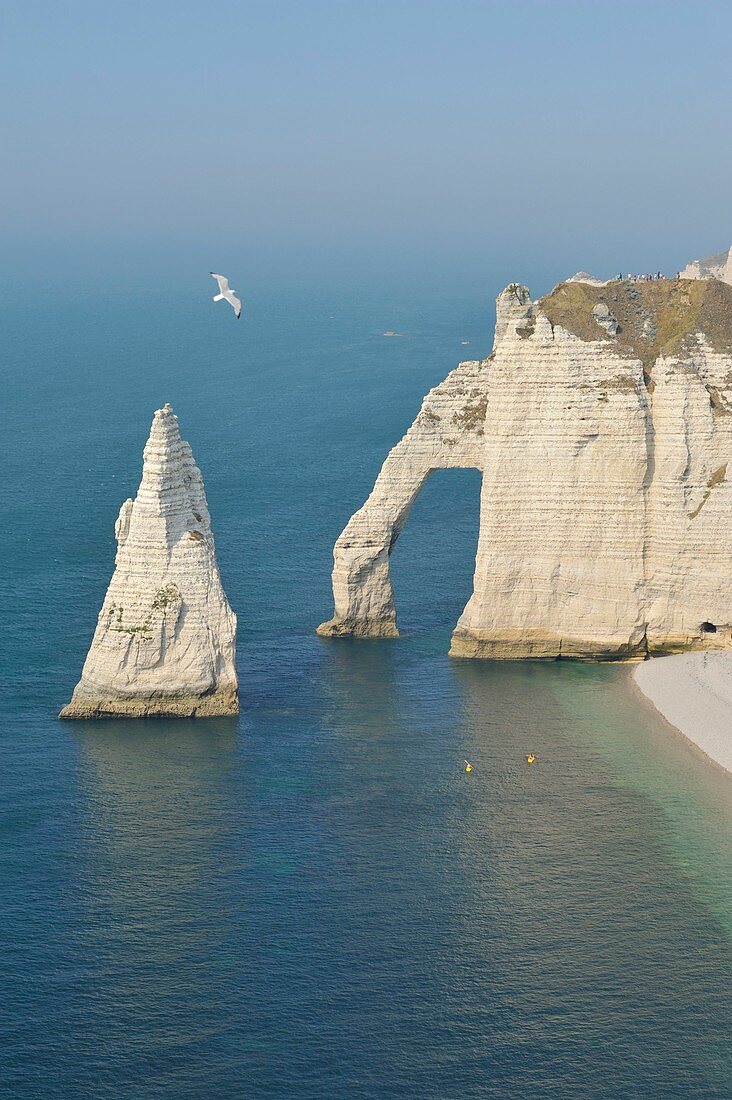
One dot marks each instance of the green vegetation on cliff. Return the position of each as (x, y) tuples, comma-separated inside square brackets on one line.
[(654, 318)]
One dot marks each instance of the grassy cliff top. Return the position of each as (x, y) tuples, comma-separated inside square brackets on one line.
[(654, 317)]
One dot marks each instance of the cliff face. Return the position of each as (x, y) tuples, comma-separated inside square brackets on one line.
[(165, 638), (718, 266), (602, 423)]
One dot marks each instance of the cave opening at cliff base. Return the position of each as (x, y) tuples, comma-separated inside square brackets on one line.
[(708, 628)]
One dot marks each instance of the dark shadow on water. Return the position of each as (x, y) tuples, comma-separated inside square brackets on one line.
[(157, 808)]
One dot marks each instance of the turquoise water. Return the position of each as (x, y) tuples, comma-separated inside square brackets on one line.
[(315, 900)]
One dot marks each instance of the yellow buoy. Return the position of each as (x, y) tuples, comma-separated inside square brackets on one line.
[(530, 758), (468, 767)]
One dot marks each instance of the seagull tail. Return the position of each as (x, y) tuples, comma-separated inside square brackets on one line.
[(218, 298)]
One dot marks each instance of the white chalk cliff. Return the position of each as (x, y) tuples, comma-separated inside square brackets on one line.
[(165, 638), (718, 266), (602, 424)]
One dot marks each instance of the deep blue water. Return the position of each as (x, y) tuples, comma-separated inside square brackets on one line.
[(315, 900)]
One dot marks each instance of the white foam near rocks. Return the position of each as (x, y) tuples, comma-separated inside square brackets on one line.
[(165, 637)]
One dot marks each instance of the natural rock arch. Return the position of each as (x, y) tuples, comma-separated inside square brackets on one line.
[(602, 427), (447, 433)]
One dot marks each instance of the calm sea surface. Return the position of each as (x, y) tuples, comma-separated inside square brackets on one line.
[(315, 900)]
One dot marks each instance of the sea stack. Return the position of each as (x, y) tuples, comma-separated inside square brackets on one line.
[(602, 426), (165, 640)]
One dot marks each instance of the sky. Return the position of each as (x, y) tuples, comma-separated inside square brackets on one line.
[(361, 135)]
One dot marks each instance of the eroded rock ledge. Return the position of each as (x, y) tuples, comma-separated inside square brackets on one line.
[(602, 424), (165, 639)]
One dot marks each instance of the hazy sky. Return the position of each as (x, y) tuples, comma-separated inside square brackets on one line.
[(452, 133)]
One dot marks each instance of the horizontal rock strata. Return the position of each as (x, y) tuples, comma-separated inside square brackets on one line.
[(165, 639), (602, 424)]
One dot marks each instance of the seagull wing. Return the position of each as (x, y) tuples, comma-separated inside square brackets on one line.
[(234, 301), (226, 293), (221, 280)]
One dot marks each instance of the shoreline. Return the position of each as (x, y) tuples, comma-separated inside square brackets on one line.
[(693, 693)]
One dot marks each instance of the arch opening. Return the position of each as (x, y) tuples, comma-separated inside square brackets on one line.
[(433, 562)]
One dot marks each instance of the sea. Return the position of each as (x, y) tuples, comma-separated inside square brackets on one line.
[(315, 900)]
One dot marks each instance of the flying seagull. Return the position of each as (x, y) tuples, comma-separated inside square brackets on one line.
[(226, 294)]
